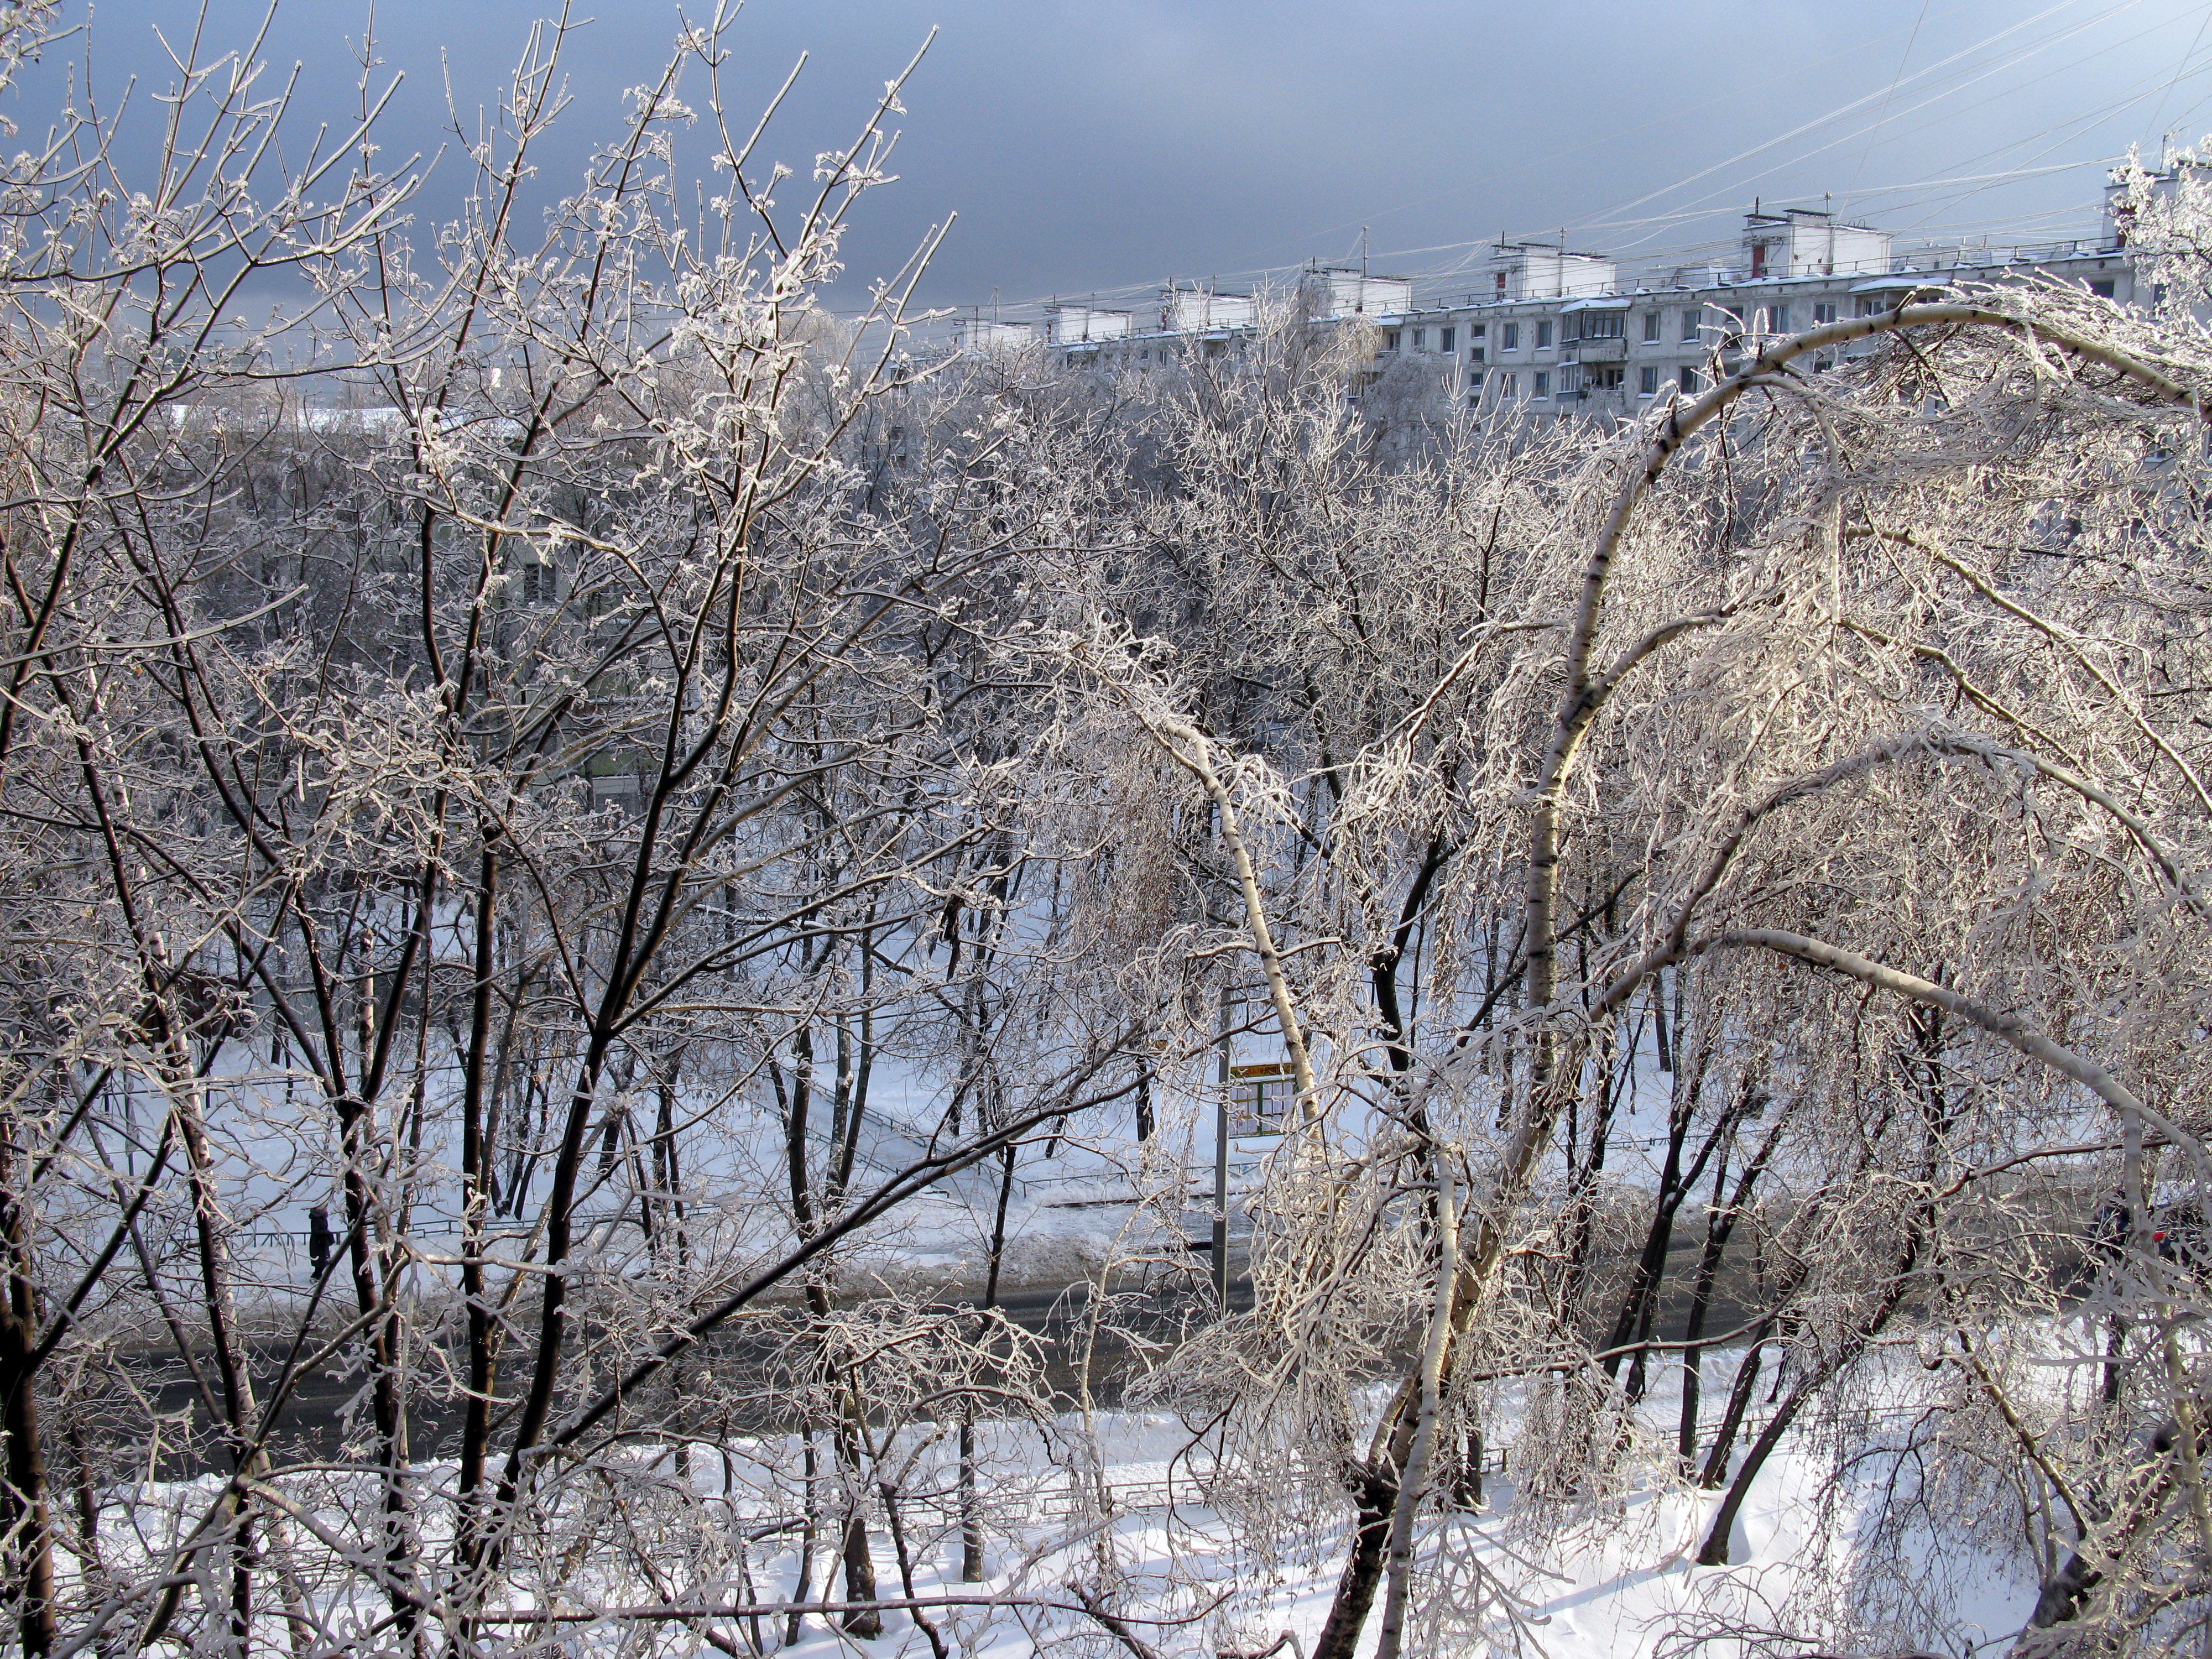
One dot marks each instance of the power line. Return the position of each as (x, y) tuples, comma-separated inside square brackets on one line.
[(2170, 85), (1948, 90), (1891, 92), (1671, 119), (1940, 91), (1937, 82), (1843, 110)]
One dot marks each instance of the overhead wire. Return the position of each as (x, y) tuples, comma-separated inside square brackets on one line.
[(1673, 117), (1842, 110), (2170, 85), (1907, 57), (1944, 90), (1933, 85), (2089, 120), (1737, 185)]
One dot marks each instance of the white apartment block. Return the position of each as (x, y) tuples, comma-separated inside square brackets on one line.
[(1599, 343), (978, 336), (1545, 328), (1083, 325)]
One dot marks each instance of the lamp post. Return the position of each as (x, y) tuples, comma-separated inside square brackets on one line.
[(1221, 1165)]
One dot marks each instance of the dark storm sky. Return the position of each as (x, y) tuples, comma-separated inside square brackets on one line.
[(1114, 144)]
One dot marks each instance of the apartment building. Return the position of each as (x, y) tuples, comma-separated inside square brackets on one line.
[(1194, 317), (1602, 342), (1544, 328)]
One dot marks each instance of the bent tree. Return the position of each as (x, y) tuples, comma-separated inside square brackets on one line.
[(1841, 719)]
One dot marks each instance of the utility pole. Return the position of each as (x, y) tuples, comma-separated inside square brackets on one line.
[(1221, 1165)]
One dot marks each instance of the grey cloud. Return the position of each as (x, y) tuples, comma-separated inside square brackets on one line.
[(1093, 146)]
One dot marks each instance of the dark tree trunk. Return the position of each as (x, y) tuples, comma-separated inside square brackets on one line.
[(30, 1568), (971, 1527), (1718, 1228), (476, 1199), (1375, 1495), (1362, 1570)]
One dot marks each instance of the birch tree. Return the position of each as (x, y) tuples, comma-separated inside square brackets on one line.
[(1840, 721)]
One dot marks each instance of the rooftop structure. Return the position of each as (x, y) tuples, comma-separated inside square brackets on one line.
[(1201, 311), (1335, 291), (983, 334), (1067, 325), (1810, 242), (1540, 271), (2166, 182)]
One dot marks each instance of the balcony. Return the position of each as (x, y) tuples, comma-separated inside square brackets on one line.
[(1613, 351)]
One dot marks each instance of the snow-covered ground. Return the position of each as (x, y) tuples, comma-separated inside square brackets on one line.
[(1118, 1504), (1629, 1586), (1631, 1594)]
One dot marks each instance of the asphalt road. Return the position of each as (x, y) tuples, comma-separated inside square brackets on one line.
[(319, 1403), (314, 1422)]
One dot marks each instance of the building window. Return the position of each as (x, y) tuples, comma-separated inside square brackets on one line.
[(1823, 311), (1389, 339), (1509, 336), (1421, 339), (1692, 321), (1873, 305), (1647, 379), (1544, 334), (1263, 1096), (1501, 284), (1686, 378), (1447, 340), (1477, 330), (1650, 326), (2102, 286), (616, 789), (1603, 378), (1777, 320), (1543, 385), (1474, 385), (1509, 386)]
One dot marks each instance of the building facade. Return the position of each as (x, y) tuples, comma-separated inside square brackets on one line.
[(1545, 328), (1612, 345)]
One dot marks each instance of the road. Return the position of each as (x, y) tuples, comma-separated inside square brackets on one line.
[(1056, 1314), (313, 1423)]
